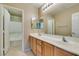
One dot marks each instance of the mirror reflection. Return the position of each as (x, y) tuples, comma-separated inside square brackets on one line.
[(37, 24)]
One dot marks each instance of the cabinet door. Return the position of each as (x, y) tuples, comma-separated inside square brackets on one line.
[(39, 48), (60, 52), (34, 45), (48, 50), (30, 42)]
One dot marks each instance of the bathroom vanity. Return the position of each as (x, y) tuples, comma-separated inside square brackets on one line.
[(52, 45)]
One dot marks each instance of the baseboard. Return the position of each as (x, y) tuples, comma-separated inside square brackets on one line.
[(27, 49)]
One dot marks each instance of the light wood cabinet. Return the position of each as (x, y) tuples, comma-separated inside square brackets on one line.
[(41, 48), (48, 50), (34, 46), (61, 52), (32, 41)]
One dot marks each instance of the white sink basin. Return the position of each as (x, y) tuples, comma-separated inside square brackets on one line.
[(69, 40), (72, 40), (52, 37)]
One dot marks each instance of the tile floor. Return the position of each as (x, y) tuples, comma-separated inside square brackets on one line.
[(15, 50), (29, 53), (16, 44)]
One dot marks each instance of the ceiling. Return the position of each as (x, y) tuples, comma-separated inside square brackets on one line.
[(37, 4), (58, 7), (26, 4), (14, 11), (18, 12), (55, 8)]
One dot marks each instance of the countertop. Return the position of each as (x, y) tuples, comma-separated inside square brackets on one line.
[(71, 46)]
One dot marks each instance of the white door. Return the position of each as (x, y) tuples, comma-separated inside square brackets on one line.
[(1, 31), (75, 24), (6, 31), (50, 25)]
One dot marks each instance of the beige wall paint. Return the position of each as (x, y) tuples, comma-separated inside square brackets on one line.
[(29, 11), (63, 20)]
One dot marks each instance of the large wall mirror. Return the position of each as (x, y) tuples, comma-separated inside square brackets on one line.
[(45, 24)]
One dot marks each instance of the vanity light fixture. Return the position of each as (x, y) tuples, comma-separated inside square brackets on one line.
[(46, 5)]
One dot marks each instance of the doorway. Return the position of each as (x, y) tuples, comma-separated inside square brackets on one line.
[(14, 28)]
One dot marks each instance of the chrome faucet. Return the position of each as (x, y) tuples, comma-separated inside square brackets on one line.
[(64, 40)]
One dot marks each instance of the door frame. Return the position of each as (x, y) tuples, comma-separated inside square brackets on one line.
[(1, 6), (23, 48)]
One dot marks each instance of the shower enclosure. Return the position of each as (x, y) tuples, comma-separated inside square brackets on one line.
[(11, 29), (15, 32)]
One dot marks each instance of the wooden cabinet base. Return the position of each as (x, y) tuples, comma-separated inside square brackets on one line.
[(60, 52), (48, 50), (41, 48)]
